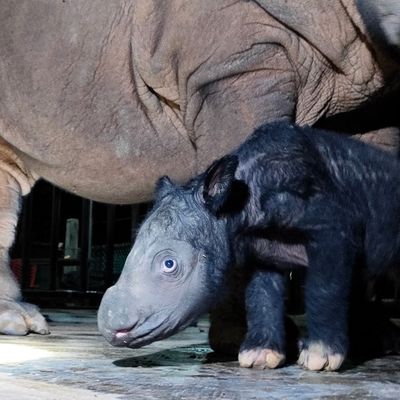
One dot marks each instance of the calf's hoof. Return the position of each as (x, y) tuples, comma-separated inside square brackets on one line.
[(261, 358), (19, 318), (317, 356)]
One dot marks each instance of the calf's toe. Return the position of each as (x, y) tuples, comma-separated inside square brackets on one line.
[(261, 358), (318, 356)]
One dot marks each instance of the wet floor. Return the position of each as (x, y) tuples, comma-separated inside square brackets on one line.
[(74, 361)]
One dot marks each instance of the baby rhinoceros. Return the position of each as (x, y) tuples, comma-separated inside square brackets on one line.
[(286, 195)]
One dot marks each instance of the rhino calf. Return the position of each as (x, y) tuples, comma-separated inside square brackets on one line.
[(287, 195)]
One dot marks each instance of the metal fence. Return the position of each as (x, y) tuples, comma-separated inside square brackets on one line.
[(68, 250)]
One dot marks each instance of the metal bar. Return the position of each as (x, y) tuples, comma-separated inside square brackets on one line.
[(54, 236), (60, 298), (109, 267), (85, 226), (90, 237)]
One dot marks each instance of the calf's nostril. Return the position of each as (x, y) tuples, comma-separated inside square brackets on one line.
[(121, 333), (120, 337)]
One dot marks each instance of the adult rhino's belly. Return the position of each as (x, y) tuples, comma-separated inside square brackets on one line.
[(122, 170)]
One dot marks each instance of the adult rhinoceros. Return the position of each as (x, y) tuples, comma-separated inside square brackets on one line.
[(102, 97)]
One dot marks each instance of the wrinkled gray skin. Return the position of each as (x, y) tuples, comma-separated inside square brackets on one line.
[(135, 312), (151, 301), (102, 97)]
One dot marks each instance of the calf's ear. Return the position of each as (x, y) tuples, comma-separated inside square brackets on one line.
[(222, 193), (164, 186)]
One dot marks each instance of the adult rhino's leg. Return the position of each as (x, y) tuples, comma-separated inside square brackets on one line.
[(16, 317)]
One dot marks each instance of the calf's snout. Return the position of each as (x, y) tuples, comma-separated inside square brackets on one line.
[(116, 316)]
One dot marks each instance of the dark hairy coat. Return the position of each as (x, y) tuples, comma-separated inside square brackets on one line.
[(292, 195), (287, 196)]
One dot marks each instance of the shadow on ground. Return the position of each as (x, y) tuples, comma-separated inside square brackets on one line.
[(197, 354)]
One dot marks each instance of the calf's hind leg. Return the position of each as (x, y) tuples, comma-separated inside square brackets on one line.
[(16, 317), (331, 257)]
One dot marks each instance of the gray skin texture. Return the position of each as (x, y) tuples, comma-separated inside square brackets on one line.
[(103, 97), (151, 301)]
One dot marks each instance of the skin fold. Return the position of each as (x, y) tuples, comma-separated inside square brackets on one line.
[(102, 98)]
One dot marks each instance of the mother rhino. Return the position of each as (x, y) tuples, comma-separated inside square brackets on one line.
[(102, 97)]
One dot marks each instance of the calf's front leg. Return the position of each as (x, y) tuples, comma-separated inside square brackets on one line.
[(331, 247), (264, 344)]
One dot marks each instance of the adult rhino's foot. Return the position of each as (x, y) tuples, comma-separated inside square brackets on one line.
[(19, 318), (261, 358), (317, 356)]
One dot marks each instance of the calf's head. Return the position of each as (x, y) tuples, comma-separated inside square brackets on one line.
[(176, 267)]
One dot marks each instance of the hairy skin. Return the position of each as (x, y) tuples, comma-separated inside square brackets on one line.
[(325, 202), (103, 97)]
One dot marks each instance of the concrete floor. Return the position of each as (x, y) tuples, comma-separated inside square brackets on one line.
[(74, 362)]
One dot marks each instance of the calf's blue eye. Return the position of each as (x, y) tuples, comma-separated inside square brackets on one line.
[(169, 263)]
